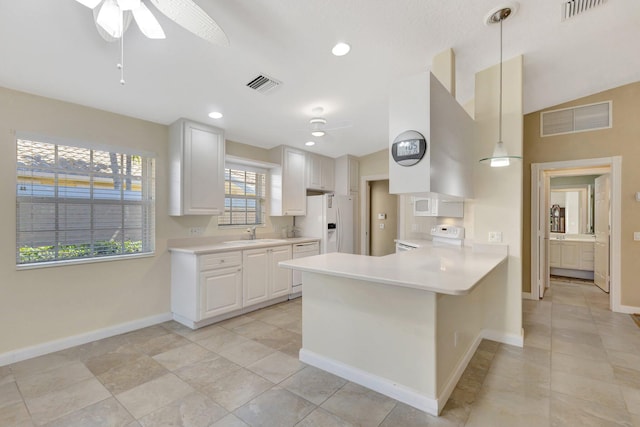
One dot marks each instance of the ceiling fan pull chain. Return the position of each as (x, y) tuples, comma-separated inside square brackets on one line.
[(121, 64)]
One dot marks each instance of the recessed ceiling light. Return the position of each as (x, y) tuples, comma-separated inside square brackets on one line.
[(309, 143), (341, 49), (215, 115)]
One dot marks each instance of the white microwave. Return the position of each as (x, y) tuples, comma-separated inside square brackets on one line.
[(430, 206)]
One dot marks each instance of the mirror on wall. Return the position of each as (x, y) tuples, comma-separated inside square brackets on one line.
[(571, 204)]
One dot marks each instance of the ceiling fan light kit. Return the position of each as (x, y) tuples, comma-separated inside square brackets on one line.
[(500, 157)]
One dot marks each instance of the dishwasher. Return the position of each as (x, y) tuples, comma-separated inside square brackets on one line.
[(301, 250)]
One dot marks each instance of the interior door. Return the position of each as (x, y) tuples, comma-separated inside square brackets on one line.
[(602, 228), (543, 193)]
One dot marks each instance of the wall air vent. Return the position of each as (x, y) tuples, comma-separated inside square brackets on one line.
[(572, 8), (263, 83), (576, 119)]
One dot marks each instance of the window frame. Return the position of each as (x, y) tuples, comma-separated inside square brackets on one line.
[(261, 200), (147, 201)]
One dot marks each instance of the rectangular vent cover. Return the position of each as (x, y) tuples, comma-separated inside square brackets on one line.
[(263, 83), (572, 8), (576, 119)]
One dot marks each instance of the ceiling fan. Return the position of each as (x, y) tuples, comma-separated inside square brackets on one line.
[(318, 124), (113, 17)]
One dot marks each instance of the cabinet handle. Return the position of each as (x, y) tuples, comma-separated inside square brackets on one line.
[(221, 261)]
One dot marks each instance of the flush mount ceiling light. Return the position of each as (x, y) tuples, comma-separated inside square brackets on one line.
[(309, 143), (317, 123), (341, 49), (500, 157), (215, 115)]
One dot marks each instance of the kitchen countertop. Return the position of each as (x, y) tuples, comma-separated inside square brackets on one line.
[(442, 269), (237, 244)]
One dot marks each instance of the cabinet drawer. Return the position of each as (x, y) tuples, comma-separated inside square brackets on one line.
[(226, 259)]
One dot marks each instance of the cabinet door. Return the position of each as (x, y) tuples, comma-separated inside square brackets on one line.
[(220, 291), (586, 256), (555, 254), (328, 171), (255, 278), (203, 170), (294, 190), (314, 171), (281, 278), (570, 255)]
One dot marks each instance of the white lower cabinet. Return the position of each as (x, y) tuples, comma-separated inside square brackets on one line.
[(207, 287), (221, 291), (571, 255), (263, 279)]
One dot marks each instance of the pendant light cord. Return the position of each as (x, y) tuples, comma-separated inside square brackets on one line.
[(500, 90)]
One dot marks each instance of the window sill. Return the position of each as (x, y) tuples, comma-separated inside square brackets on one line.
[(83, 261)]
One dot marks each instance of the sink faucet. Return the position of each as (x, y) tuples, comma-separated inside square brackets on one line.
[(252, 232)]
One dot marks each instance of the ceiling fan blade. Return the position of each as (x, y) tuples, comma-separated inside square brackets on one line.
[(89, 3), (110, 18), (147, 23), (338, 125), (190, 16)]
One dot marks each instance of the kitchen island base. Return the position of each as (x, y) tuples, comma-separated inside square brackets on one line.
[(408, 344)]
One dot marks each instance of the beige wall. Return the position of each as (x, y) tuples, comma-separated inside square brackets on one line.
[(497, 202), (41, 305), (620, 140), (383, 240), (375, 163)]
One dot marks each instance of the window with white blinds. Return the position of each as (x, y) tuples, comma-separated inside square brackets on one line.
[(78, 203), (244, 188)]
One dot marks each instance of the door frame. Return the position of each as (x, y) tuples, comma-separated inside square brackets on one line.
[(365, 208), (540, 172)]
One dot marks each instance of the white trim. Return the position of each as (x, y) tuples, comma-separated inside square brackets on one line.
[(382, 385), (528, 295), (615, 170), (628, 309), (504, 338), (365, 194), (64, 343), (258, 164), (399, 392)]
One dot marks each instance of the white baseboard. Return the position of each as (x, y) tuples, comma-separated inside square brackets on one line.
[(370, 381), (504, 338), (529, 295), (64, 343), (457, 373), (628, 309)]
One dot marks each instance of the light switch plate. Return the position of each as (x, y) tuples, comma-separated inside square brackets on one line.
[(495, 237), (636, 235), (382, 216)]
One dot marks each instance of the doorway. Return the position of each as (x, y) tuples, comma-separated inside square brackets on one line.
[(547, 246), (379, 227)]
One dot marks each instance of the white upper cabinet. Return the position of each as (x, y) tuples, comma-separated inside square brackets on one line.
[(288, 182), (320, 172), (196, 169), (347, 175)]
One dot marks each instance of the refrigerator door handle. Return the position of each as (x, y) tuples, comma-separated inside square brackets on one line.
[(339, 226)]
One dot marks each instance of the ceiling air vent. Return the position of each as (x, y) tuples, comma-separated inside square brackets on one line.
[(572, 8), (576, 119), (263, 83)]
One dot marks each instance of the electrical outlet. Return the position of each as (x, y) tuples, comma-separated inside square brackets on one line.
[(381, 226), (196, 231), (495, 237), (636, 235)]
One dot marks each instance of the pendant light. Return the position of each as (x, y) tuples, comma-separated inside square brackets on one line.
[(500, 157)]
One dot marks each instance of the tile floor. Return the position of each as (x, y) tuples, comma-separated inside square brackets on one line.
[(580, 366)]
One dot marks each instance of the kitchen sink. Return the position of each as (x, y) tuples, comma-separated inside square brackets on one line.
[(254, 241)]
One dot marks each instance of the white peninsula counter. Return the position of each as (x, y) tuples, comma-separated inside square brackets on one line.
[(407, 324)]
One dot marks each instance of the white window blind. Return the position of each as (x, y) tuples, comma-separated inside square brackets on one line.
[(75, 203), (244, 188)]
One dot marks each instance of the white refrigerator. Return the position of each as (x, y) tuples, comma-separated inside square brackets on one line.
[(329, 218)]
